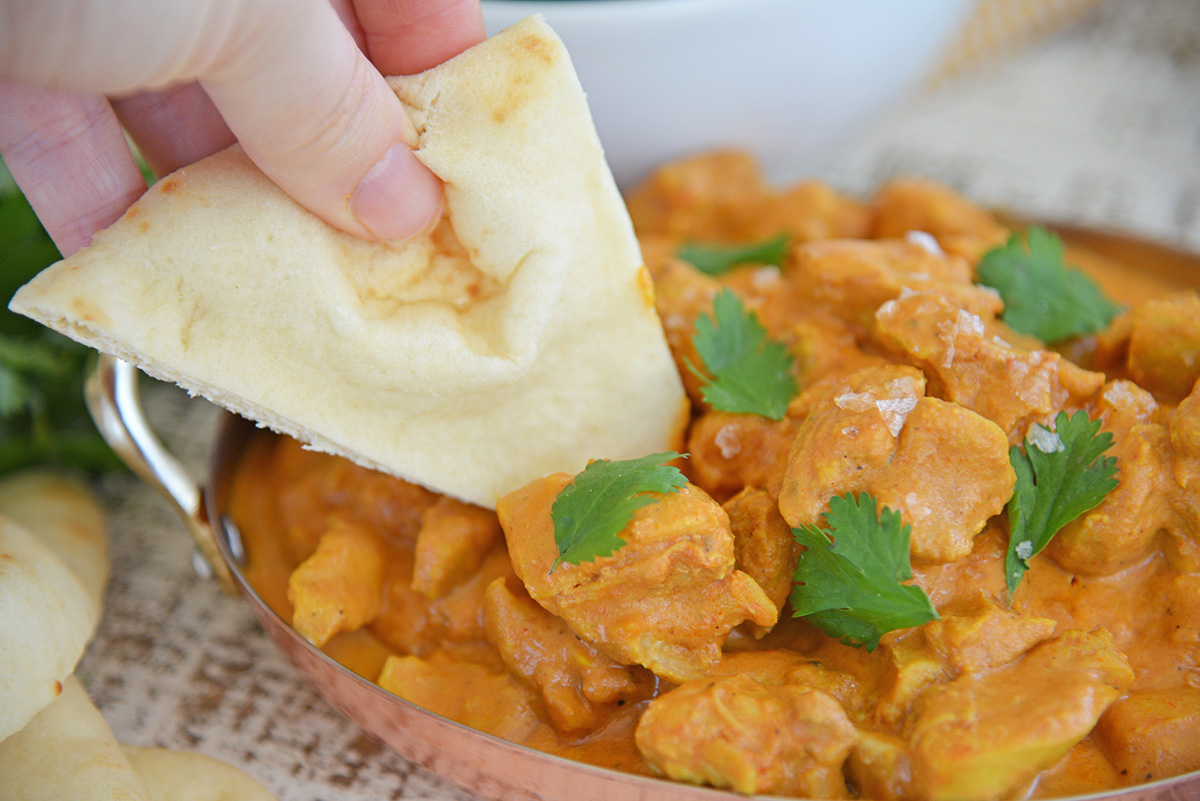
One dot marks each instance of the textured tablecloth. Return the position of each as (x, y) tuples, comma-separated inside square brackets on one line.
[(1099, 124)]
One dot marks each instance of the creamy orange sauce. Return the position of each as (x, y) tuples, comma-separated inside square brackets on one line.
[(283, 498)]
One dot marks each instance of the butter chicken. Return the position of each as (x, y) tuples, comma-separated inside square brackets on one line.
[(679, 655)]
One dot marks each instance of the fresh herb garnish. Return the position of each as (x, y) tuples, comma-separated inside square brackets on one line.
[(1043, 296), (720, 259), (1060, 475), (590, 512), (849, 578), (43, 418), (746, 371)]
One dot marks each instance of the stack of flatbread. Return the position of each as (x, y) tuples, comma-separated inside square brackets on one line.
[(54, 744), (518, 338)]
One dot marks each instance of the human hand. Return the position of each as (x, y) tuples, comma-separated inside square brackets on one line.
[(298, 82)]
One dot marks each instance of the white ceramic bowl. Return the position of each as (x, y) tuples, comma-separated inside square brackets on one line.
[(783, 78)]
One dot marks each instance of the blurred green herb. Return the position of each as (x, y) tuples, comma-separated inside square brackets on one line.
[(43, 417), (720, 259), (1043, 295)]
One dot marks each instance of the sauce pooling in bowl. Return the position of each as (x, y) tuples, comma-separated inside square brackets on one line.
[(910, 388)]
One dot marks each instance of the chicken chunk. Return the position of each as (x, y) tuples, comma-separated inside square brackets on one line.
[(973, 640), (825, 347), (576, 682), (809, 211), (951, 585), (681, 294), (961, 227), (1184, 432), (1123, 529), (850, 432), (968, 365), (763, 544), (984, 737), (412, 623), (713, 196), (340, 587), (1152, 735), (454, 540), (985, 637), (1083, 771), (724, 196), (730, 452), (781, 666), (944, 468), (319, 485), (909, 667), (471, 694), (735, 732), (1164, 345), (665, 600), (853, 278), (880, 766)]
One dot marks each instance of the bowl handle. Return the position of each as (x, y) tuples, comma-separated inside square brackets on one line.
[(115, 404)]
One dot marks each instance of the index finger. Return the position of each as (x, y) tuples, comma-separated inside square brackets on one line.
[(69, 156), (408, 36)]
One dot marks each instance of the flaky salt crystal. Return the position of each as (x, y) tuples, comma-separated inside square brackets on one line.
[(1045, 440)]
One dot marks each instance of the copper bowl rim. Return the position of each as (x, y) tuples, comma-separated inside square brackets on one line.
[(231, 437), (477, 762)]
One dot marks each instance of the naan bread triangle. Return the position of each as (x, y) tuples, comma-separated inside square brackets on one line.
[(68, 753), (171, 775), (53, 571), (516, 340)]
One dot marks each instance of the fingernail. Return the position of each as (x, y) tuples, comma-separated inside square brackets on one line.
[(399, 197)]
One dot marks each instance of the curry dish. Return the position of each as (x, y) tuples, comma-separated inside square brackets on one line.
[(678, 655)]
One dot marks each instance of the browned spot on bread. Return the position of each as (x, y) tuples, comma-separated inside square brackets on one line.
[(131, 216), (514, 98), (168, 185), (58, 688), (518, 91), (537, 46)]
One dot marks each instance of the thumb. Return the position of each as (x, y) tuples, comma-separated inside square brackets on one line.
[(313, 113)]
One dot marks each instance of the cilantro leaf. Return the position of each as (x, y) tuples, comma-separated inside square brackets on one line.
[(590, 512), (746, 371), (1042, 295), (25, 248), (43, 417), (720, 259), (848, 579), (17, 394), (1060, 475)]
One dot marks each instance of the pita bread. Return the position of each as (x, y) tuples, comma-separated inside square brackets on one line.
[(516, 340), (68, 752), (53, 569), (185, 776)]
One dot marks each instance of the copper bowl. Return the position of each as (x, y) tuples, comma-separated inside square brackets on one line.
[(479, 763)]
